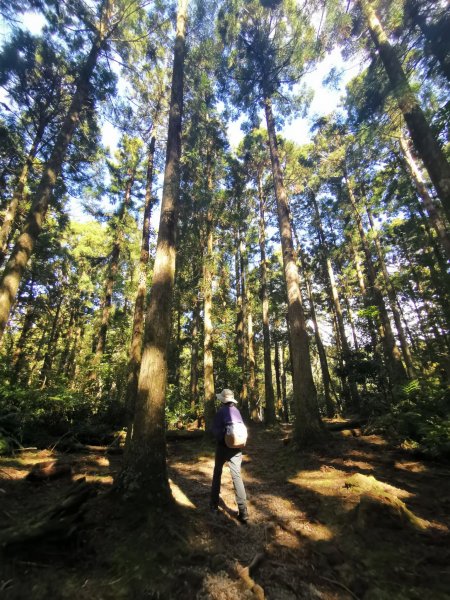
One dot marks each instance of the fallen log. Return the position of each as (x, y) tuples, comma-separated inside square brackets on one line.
[(57, 523), (343, 425), (51, 469)]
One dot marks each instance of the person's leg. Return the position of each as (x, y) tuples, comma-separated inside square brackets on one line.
[(217, 476), (234, 463)]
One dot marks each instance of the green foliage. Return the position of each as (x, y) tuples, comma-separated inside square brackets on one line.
[(421, 420)]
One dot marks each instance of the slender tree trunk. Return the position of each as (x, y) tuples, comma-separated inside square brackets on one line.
[(16, 265), (329, 405), (208, 364), (396, 370), (278, 379), (52, 341), (392, 297), (285, 415), (424, 141), (19, 356), (351, 319), (353, 401), (194, 355), (18, 196), (112, 273), (437, 219), (269, 413), (365, 297), (252, 387), (308, 426), (245, 371), (145, 470), (134, 362), (239, 315)]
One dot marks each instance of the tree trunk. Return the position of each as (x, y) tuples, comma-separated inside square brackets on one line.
[(252, 387), (145, 470), (239, 316), (434, 211), (245, 371), (308, 426), (353, 400), (326, 379), (269, 413), (134, 362), (392, 297), (18, 196), (424, 141), (396, 370), (112, 272), (52, 340), (278, 379), (194, 355), (208, 364), (19, 356), (16, 265), (365, 297), (283, 385)]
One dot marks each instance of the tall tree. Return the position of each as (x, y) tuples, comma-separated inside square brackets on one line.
[(145, 470), (422, 136)]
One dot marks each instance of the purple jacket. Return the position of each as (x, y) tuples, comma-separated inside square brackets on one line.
[(228, 413)]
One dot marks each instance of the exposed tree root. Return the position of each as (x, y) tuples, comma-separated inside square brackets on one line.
[(57, 523)]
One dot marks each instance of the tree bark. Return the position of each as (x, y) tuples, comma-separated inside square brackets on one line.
[(252, 387), (245, 370), (112, 272), (308, 425), (194, 355), (18, 196), (437, 220), (145, 470), (269, 413), (278, 378), (16, 265), (134, 361), (52, 340), (208, 363), (392, 297), (394, 365), (353, 399), (426, 145)]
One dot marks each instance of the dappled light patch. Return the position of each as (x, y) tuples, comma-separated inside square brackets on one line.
[(410, 466), (179, 496), (219, 586)]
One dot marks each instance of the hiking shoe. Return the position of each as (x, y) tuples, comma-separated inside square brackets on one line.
[(243, 515)]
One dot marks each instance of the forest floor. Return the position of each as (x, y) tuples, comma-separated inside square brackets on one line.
[(356, 518)]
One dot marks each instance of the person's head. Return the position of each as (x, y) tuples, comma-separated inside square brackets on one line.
[(226, 396)]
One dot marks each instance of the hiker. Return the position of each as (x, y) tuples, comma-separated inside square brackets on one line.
[(229, 430)]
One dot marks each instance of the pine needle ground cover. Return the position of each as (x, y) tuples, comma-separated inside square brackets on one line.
[(357, 519)]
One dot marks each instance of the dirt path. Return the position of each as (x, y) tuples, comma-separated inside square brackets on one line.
[(356, 519)]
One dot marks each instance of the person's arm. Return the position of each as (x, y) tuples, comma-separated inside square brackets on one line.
[(218, 426)]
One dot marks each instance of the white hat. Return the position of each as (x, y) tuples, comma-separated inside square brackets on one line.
[(226, 396)]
